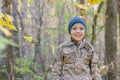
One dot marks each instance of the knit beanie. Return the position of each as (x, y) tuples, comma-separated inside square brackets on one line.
[(75, 20)]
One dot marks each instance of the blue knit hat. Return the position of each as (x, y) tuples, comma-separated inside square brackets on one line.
[(75, 20)]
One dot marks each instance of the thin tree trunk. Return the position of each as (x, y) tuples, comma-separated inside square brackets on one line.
[(39, 57), (14, 14), (118, 9), (19, 34), (93, 40), (9, 49), (111, 35), (10, 63)]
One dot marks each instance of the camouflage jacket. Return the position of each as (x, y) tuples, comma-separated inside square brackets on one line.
[(76, 62)]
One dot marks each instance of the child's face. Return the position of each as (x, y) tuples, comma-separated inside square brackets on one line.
[(78, 32)]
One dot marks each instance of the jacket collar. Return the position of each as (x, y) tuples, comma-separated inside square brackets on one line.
[(80, 45)]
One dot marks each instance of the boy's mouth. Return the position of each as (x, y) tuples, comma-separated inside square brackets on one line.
[(78, 35)]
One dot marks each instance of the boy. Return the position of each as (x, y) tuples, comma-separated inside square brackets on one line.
[(76, 59)]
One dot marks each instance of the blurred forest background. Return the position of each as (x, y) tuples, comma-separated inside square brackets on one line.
[(31, 30)]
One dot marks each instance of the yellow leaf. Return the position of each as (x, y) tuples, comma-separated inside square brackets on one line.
[(9, 20), (2, 23), (28, 38), (6, 20), (12, 27), (5, 31), (94, 1)]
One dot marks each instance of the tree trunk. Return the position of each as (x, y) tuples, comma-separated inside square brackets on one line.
[(14, 14), (111, 35), (6, 8), (9, 49), (93, 40), (39, 57), (20, 27), (118, 9), (10, 63)]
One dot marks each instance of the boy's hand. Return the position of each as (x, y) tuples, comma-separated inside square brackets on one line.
[(103, 69)]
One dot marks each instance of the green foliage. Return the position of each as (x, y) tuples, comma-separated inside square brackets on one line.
[(4, 41), (38, 77), (23, 66), (3, 68)]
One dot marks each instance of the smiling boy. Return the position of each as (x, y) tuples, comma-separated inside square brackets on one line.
[(76, 58)]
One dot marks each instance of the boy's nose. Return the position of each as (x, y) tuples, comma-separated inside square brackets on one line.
[(77, 30)]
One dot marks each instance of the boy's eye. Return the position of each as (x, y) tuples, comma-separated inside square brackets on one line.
[(80, 28), (74, 28)]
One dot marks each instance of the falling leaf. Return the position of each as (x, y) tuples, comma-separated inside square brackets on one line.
[(28, 38)]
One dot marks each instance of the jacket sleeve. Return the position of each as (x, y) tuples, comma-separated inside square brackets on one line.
[(57, 66), (94, 67)]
